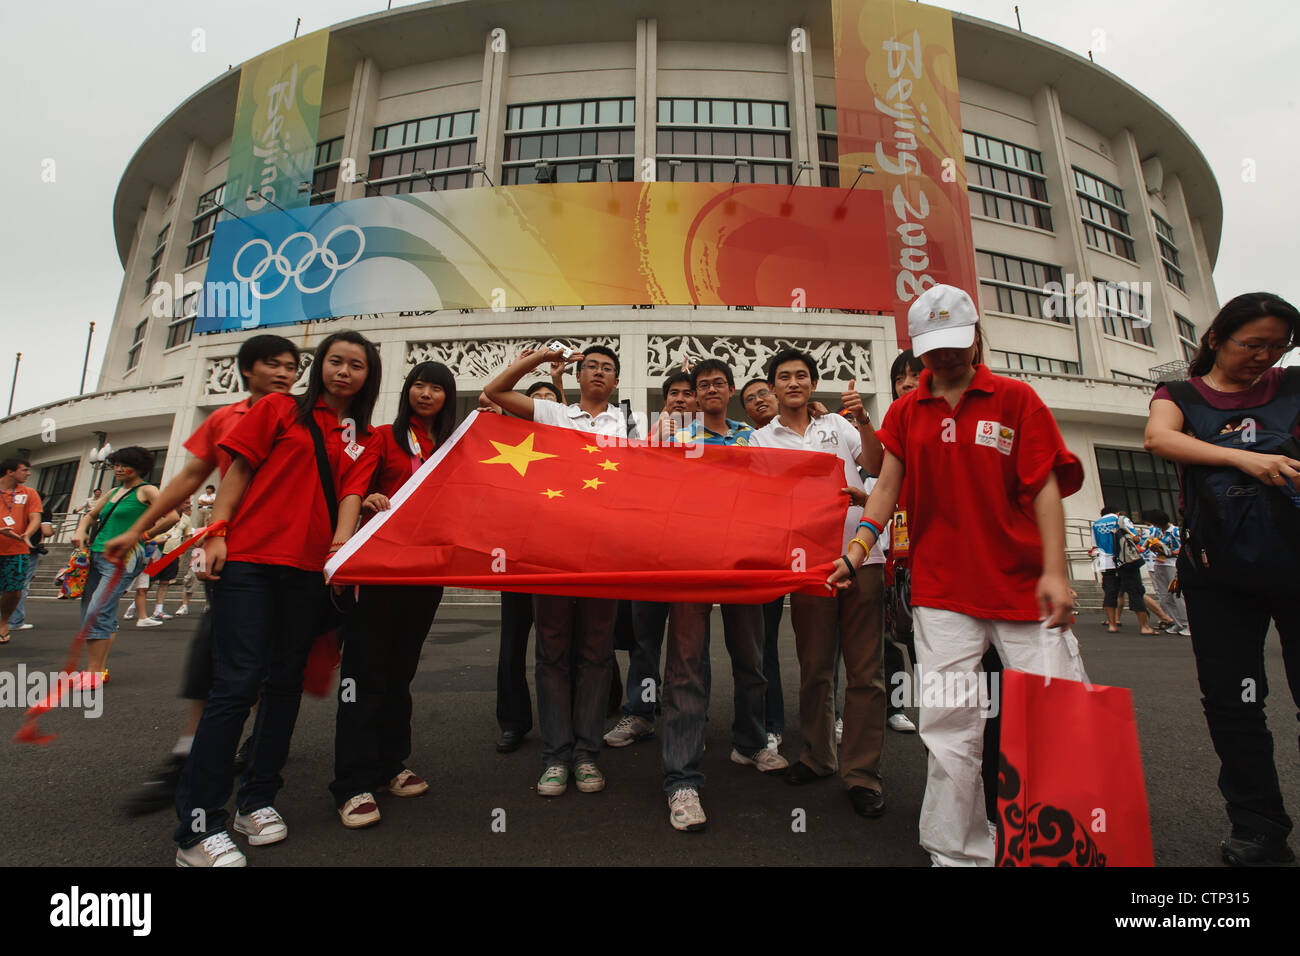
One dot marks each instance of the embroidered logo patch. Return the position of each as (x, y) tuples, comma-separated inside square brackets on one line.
[(353, 450), (986, 433)]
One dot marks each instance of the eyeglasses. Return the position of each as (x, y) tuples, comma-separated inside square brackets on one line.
[(757, 394), (598, 367), (1273, 349), (711, 384)]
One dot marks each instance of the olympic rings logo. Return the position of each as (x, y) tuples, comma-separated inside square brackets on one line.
[(290, 270)]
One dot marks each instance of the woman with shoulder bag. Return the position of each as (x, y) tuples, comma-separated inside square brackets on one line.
[(1234, 429), (279, 499)]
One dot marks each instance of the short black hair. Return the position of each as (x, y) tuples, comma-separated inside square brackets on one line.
[(210, 488), (1155, 516), (260, 348), (790, 355), (906, 362), (134, 457), (712, 365), (675, 376), (536, 385), (602, 350), (752, 381), (12, 464)]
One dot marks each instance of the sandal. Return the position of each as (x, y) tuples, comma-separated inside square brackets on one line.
[(4, 638)]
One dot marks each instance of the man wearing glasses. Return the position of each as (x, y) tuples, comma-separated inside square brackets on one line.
[(685, 694), (571, 713)]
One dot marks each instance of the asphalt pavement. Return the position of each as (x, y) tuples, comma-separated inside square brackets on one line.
[(64, 800)]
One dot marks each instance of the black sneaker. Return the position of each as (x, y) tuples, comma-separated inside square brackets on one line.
[(867, 802), (1245, 848), (241, 756), (159, 791)]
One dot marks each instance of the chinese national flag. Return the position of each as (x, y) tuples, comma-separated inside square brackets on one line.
[(510, 505)]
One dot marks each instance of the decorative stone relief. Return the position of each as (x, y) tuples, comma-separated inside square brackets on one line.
[(837, 361), (481, 358), (223, 378)]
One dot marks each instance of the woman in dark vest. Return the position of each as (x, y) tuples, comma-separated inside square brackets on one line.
[(1235, 430)]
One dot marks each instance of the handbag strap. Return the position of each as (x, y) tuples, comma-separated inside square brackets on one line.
[(323, 470), (103, 515)]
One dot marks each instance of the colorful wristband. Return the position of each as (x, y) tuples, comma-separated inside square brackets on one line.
[(865, 547), (876, 529), (853, 572), (216, 530)]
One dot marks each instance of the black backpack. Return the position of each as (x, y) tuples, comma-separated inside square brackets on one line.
[(1239, 532)]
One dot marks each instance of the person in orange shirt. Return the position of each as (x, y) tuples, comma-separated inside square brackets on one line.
[(20, 516)]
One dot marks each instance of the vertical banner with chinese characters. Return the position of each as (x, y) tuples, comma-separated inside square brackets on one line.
[(273, 146), (897, 112)]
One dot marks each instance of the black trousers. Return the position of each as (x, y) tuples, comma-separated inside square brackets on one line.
[(514, 704), (1127, 579), (1228, 632), (382, 639)]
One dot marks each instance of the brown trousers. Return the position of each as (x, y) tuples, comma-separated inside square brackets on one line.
[(855, 616)]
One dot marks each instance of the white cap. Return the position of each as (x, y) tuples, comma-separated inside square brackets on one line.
[(942, 317)]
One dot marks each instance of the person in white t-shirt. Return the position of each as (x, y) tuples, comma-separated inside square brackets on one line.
[(792, 376), (570, 713)]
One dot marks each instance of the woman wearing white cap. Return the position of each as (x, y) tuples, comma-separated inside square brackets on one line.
[(982, 465)]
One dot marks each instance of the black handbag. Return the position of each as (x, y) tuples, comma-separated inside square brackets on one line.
[(334, 608)]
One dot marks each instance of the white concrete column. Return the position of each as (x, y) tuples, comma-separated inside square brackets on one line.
[(647, 96), (359, 126), (803, 105), (492, 104)]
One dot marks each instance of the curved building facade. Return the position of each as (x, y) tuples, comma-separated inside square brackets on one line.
[(1075, 177)]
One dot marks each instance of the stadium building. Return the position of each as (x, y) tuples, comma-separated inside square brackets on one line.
[(1075, 177)]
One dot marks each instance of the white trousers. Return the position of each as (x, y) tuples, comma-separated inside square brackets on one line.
[(1161, 575), (954, 825)]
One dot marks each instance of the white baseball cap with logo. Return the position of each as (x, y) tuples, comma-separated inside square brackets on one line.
[(942, 317)]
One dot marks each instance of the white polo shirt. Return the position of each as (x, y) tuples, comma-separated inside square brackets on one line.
[(833, 434), (609, 422)]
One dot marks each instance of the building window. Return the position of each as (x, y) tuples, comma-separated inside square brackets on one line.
[(1006, 181), (1032, 363), (1015, 286), (181, 329), (1105, 222), (582, 141), (205, 221), (828, 146), (1187, 337), (55, 487), (1124, 311), (723, 141), (1135, 481), (137, 342), (325, 177), (1130, 377), (155, 263), (1169, 253), (422, 154)]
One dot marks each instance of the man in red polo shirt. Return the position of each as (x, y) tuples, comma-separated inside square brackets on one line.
[(20, 516), (268, 364)]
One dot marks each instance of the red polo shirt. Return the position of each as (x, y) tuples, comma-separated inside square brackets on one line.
[(971, 478), (205, 443), (283, 518), (384, 466)]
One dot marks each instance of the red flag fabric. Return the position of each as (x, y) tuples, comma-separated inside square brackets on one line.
[(1070, 784), (511, 505)]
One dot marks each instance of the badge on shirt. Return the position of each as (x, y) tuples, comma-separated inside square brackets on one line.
[(353, 450), (8, 520), (899, 541), (20, 499), (986, 433), (1006, 437)]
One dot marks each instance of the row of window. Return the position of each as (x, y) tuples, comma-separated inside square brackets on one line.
[(1032, 363)]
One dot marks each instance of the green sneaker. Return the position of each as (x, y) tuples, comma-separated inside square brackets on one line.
[(590, 780), (553, 781)]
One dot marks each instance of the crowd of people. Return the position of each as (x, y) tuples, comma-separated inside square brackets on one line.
[(953, 547)]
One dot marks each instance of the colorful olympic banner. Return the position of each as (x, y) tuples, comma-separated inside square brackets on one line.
[(897, 111), (552, 244), (273, 146)]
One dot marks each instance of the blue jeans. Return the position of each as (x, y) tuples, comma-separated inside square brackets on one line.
[(98, 578), (686, 692), (572, 633), (648, 620), (18, 616), (774, 712), (264, 619)]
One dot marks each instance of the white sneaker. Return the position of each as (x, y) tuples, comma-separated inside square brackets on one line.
[(629, 730), (182, 610), (216, 850), (684, 810), (130, 612), (773, 741), (359, 812), (1185, 632), (553, 781), (24, 627), (261, 826), (148, 622), (160, 615), (767, 761), (839, 729), (902, 723)]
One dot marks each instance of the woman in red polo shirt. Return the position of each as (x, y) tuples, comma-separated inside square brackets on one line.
[(267, 590), (981, 464), (383, 637)]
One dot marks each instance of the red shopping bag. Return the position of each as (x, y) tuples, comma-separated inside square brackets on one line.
[(322, 661), (1070, 784)]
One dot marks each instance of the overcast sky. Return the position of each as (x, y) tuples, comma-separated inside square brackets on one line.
[(87, 81)]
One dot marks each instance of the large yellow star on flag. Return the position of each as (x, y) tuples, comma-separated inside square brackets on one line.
[(551, 493), (609, 465), (592, 483), (518, 457)]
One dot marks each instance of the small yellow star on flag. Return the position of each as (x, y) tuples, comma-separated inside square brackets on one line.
[(518, 457), (590, 448), (609, 465), (593, 483), (552, 493)]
